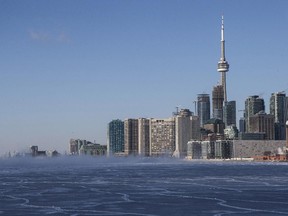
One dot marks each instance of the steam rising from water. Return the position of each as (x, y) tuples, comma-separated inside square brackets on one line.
[(141, 186)]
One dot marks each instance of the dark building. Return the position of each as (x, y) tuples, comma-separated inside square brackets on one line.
[(251, 136), (203, 108), (229, 115), (242, 125), (116, 137), (278, 108), (253, 104), (217, 102), (131, 136), (216, 126)]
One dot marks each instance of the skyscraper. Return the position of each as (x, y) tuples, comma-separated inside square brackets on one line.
[(131, 136), (217, 102), (278, 108), (253, 105), (229, 113), (203, 108), (143, 136), (115, 137), (162, 136), (223, 65)]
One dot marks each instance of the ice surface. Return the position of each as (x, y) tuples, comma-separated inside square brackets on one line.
[(141, 186)]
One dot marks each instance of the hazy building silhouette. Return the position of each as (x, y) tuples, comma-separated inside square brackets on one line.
[(75, 145)]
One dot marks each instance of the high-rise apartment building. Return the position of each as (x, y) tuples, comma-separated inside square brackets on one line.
[(262, 122), (229, 114), (203, 108), (143, 136), (217, 102), (162, 136), (115, 137), (253, 105), (131, 136), (195, 127), (278, 108)]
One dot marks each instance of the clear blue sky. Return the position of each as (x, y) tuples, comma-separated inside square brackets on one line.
[(69, 67)]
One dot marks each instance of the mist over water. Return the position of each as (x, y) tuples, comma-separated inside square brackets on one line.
[(141, 186)]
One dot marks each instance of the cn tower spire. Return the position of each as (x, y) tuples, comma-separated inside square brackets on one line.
[(223, 65)]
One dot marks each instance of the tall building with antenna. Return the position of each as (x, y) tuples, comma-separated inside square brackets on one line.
[(223, 65)]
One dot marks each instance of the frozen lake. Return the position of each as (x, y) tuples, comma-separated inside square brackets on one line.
[(135, 186)]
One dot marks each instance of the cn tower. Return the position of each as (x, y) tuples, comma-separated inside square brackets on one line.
[(223, 65)]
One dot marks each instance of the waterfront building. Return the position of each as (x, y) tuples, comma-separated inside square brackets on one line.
[(131, 136), (256, 148), (253, 105), (218, 149), (187, 127), (115, 143), (93, 149), (162, 137), (203, 108), (143, 136), (75, 145), (194, 150)]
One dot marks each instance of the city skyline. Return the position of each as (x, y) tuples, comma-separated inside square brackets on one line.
[(68, 68)]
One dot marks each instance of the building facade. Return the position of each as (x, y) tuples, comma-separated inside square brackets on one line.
[(143, 136), (278, 108), (162, 137), (203, 108), (253, 105), (217, 102), (229, 115), (262, 122), (75, 145), (131, 136), (219, 149), (115, 136), (183, 132), (93, 149)]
